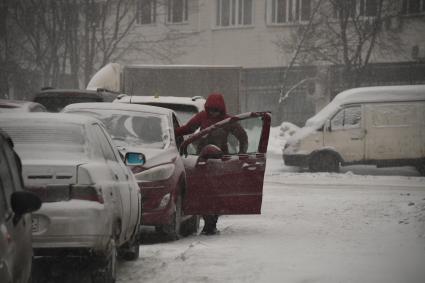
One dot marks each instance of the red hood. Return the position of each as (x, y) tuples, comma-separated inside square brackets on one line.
[(216, 100)]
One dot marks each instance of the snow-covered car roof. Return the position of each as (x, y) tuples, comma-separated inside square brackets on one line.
[(38, 117), (119, 106), (368, 94), (197, 101)]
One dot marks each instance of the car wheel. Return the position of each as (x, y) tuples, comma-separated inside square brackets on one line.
[(130, 251), (421, 168), (191, 226), (172, 231), (107, 269), (324, 162)]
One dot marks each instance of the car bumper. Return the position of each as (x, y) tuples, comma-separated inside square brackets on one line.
[(300, 160), (72, 224), (156, 209)]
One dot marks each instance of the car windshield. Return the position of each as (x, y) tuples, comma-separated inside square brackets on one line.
[(133, 128), (183, 112), (47, 140)]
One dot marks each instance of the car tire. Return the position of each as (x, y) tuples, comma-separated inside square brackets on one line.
[(171, 231), (324, 162), (131, 251), (190, 226), (421, 168), (107, 267)]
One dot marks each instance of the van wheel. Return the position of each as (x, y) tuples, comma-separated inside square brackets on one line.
[(324, 162), (172, 231)]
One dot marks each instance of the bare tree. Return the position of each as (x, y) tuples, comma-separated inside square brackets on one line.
[(347, 33)]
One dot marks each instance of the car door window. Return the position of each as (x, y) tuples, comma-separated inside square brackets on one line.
[(347, 118), (237, 137)]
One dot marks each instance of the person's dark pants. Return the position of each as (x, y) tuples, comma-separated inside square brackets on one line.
[(210, 222)]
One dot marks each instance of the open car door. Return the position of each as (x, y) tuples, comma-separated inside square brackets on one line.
[(230, 180)]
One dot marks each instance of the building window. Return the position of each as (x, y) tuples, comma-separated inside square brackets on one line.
[(234, 13), (354, 8), (146, 12), (413, 7), (177, 11), (288, 11)]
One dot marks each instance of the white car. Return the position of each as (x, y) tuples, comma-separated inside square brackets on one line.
[(185, 107), (91, 203)]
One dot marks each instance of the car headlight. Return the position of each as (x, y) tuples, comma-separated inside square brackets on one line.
[(161, 172)]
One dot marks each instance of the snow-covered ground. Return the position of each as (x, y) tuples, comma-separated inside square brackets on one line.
[(362, 225)]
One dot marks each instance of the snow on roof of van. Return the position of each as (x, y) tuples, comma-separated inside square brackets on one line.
[(367, 94)]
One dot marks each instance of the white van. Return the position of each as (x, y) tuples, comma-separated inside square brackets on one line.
[(382, 125)]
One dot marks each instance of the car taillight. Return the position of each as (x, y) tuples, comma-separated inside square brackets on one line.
[(86, 192)]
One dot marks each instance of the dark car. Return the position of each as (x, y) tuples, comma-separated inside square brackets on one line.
[(9, 105), (15, 220), (56, 99)]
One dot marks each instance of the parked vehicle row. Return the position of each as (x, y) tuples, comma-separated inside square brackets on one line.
[(91, 203), (92, 200)]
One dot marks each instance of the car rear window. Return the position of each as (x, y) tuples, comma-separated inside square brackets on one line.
[(183, 111), (47, 140)]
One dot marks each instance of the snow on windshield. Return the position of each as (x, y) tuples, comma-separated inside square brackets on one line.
[(131, 128), (47, 140)]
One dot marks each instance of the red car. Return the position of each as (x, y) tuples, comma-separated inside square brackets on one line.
[(178, 187)]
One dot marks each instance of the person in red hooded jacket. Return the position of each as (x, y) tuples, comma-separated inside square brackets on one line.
[(215, 111)]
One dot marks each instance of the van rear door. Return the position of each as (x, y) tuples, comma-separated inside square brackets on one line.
[(394, 130)]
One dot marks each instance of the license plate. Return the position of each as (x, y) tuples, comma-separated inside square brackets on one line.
[(34, 224)]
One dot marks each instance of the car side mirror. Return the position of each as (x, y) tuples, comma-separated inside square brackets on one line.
[(23, 202), (211, 151), (134, 158)]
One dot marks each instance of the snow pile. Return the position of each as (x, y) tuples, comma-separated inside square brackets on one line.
[(279, 136)]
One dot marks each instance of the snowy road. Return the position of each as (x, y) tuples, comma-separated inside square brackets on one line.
[(313, 228)]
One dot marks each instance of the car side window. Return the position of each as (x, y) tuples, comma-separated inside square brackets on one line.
[(104, 143), (347, 118), (237, 137)]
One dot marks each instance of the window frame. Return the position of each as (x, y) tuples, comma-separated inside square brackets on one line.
[(170, 7), (293, 12), (150, 5), (405, 6), (359, 10), (236, 13)]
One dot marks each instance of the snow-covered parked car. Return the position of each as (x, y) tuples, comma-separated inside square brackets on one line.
[(91, 203), (381, 125), (162, 178), (184, 107)]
